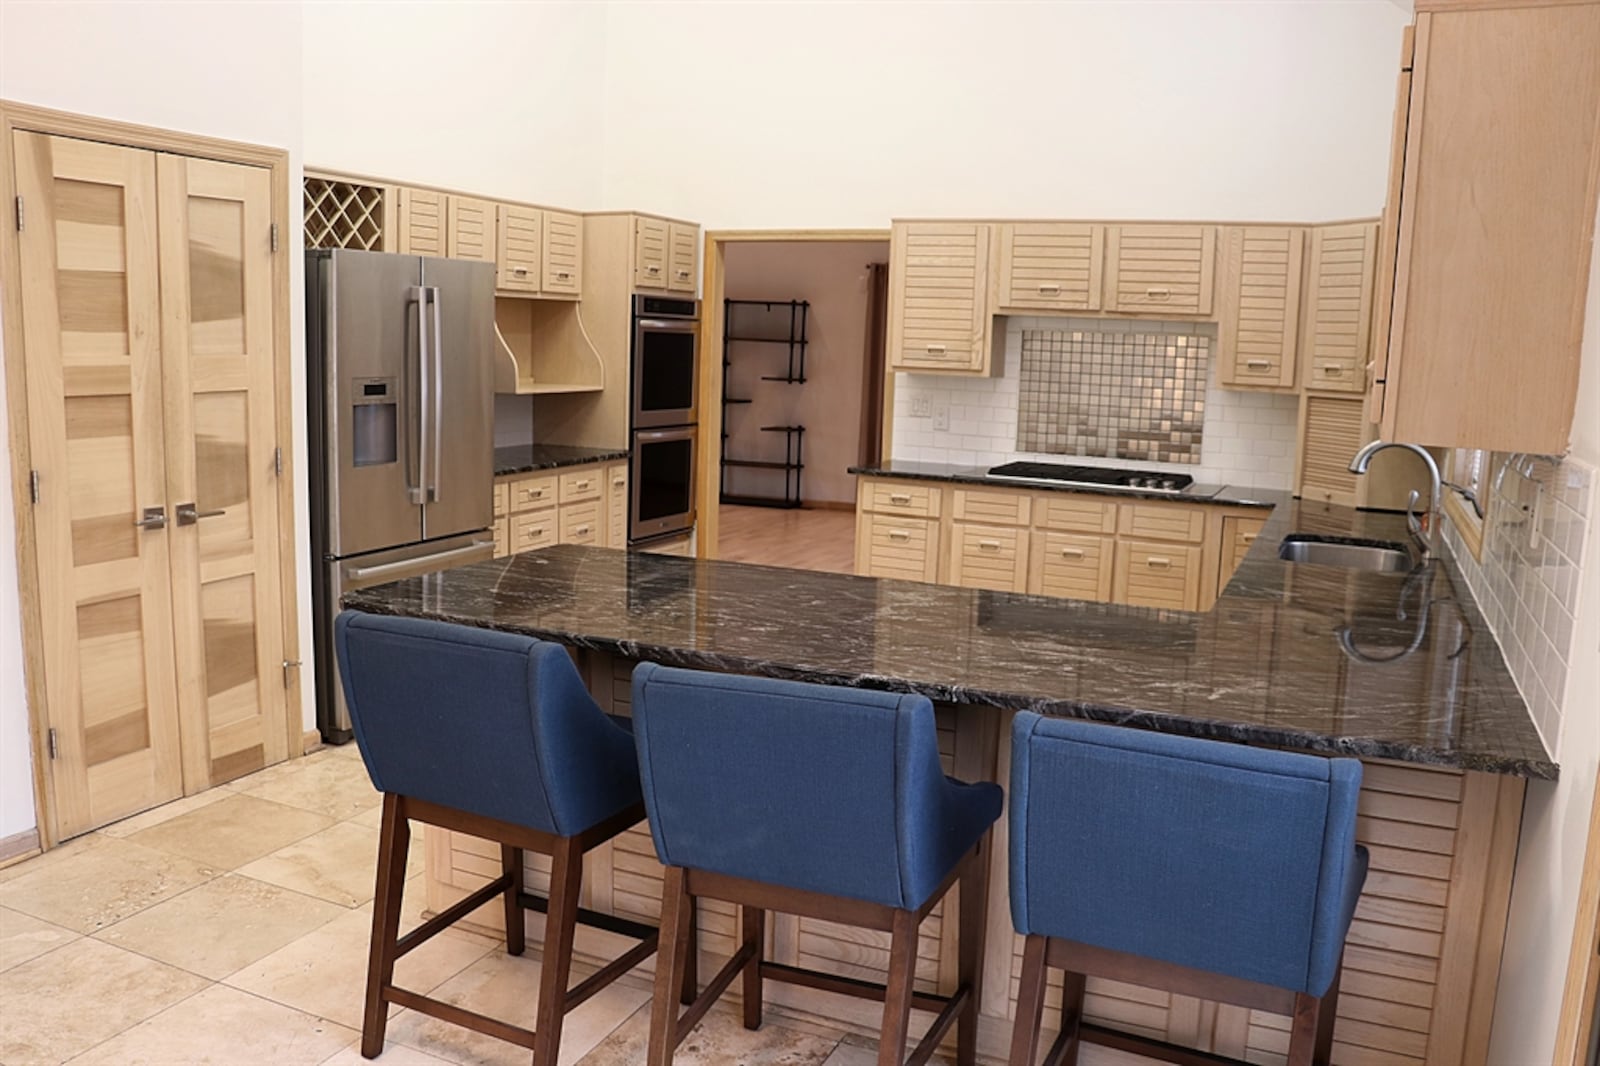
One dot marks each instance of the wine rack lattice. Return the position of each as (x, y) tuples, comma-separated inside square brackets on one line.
[(343, 214)]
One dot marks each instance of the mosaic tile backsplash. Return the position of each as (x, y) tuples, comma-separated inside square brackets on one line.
[(1115, 395), (1526, 582)]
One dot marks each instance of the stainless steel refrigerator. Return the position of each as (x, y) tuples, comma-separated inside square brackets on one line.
[(400, 389)]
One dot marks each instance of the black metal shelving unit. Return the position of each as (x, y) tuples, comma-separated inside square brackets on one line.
[(771, 323)]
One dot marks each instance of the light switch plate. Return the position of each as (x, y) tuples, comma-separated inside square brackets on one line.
[(941, 417), (921, 406)]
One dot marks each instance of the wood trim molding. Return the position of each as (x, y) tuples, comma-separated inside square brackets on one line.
[(19, 116), (1573, 1025), (18, 847), (731, 236)]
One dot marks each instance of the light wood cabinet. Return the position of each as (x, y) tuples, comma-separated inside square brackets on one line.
[(683, 257), (521, 239), (1074, 566), (561, 254), (651, 242), (939, 300), (1153, 574), (891, 545), (1155, 520), (1161, 269), (1258, 322), (616, 496), (421, 220), (1338, 312), (988, 557), (471, 226), (1238, 535), (1051, 266), (586, 504), (580, 523), (1332, 429), (1496, 213)]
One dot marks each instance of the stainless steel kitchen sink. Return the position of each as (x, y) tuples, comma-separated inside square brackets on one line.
[(1381, 556)]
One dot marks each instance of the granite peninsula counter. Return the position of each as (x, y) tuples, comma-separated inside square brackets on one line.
[(1417, 689)]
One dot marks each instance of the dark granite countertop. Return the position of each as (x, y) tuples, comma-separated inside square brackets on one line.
[(978, 475), (1265, 665), (526, 458)]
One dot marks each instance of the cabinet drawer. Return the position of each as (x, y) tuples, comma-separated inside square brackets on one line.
[(1161, 269), (502, 498), (987, 505), (901, 497), (532, 492), (534, 530), (1163, 521), (891, 546), (580, 523), (1079, 514), (562, 259), (1051, 266), (580, 484), (617, 506), (1158, 575), (650, 253), (1072, 566), (520, 237), (682, 253), (989, 557), (1238, 534), (502, 537)]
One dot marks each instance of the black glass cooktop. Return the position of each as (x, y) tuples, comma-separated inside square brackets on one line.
[(1106, 477)]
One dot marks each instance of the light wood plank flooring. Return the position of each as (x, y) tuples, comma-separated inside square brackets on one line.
[(803, 539)]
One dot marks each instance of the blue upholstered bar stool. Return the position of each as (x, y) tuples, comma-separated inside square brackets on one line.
[(1211, 870), (813, 800), (494, 735)]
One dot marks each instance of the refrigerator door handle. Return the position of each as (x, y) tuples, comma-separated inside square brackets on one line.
[(363, 573), (438, 397), (418, 492)]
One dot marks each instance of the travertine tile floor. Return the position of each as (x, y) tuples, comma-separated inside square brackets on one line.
[(231, 928)]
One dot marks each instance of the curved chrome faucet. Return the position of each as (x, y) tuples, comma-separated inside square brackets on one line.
[(1424, 536)]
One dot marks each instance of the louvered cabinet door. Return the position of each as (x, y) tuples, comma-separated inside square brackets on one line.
[(1332, 430), (422, 222), (938, 297), (683, 256), (1161, 269), (650, 240), (1258, 331), (562, 254), (1338, 313), (472, 229), (216, 301), (520, 236), (1051, 266), (92, 332)]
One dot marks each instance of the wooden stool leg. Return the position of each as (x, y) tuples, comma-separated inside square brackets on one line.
[(394, 840), (1311, 1031), (974, 890), (897, 997), (1072, 989), (1030, 1002), (754, 922), (675, 903), (561, 920), (691, 961), (516, 917)]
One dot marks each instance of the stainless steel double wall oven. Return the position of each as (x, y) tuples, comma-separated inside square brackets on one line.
[(664, 413)]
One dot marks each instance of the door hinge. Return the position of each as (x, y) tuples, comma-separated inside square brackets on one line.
[(33, 485), (277, 460), (55, 748), (19, 214), (274, 236), (288, 664)]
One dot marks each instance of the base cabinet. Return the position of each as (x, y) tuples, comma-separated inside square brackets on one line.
[(585, 504)]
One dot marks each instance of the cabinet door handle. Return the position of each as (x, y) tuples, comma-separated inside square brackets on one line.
[(899, 497), (1158, 294), (1049, 290), (1158, 562), (581, 531), (618, 483), (520, 272), (530, 534), (899, 534), (989, 545), (1248, 538), (1072, 553), (1258, 364), (652, 269), (683, 273), (562, 275), (1332, 370), (936, 349)]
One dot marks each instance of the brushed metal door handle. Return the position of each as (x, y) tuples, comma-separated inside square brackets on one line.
[(188, 514), (154, 518)]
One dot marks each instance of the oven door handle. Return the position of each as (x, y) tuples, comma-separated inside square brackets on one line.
[(652, 436), (678, 325)]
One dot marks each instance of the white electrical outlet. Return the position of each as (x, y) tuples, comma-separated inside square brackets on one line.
[(941, 416), (921, 407)]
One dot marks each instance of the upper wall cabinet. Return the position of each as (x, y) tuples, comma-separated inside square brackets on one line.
[(939, 300), (521, 235), (1258, 313), (561, 254), (683, 256), (1161, 269), (650, 239), (472, 229), (421, 222), (1051, 266), (1495, 203), (1338, 313), (349, 214)]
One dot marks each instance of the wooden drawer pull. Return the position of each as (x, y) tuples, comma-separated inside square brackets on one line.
[(530, 534), (581, 484), (532, 494), (1332, 370), (1049, 290), (1158, 562), (1158, 294), (581, 531), (1072, 553), (899, 497), (899, 534), (1258, 364), (989, 545), (936, 349)]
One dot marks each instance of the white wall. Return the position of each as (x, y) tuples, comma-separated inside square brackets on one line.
[(501, 99), (833, 276), (222, 70), (791, 113), (1555, 823)]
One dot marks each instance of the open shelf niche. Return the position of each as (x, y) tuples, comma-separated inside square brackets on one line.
[(752, 327), (541, 349)]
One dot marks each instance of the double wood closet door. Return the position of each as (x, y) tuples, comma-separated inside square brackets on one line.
[(147, 320)]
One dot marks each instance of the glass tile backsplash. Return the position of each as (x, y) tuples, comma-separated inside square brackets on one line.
[(1114, 395)]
